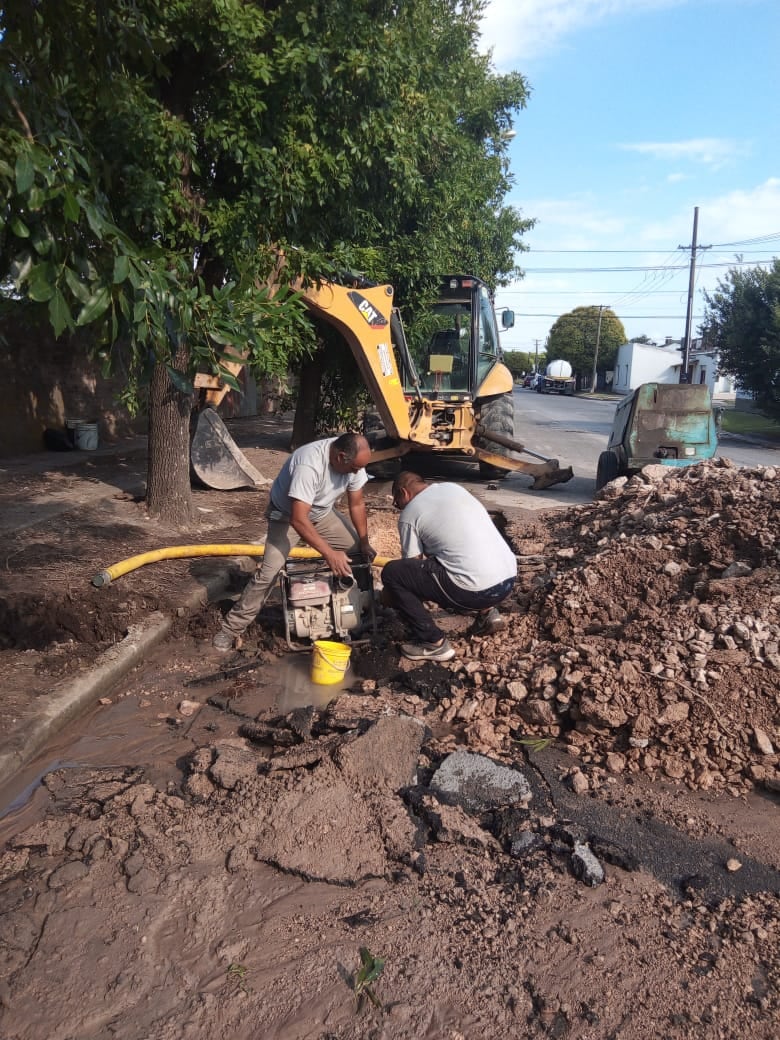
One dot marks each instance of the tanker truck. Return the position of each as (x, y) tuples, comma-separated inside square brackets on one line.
[(557, 379)]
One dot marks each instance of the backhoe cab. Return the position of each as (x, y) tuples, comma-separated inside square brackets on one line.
[(443, 390)]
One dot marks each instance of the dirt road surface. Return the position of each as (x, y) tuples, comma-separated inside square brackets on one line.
[(570, 830)]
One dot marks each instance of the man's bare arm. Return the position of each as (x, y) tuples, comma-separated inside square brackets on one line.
[(336, 559)]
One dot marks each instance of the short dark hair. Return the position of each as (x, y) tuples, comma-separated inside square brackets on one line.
[(349, 444), (407, 479)]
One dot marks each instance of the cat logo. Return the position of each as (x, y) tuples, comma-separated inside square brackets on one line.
[(368, 310)]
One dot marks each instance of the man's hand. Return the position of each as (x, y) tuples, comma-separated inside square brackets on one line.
[(367, 549), (338, 562)]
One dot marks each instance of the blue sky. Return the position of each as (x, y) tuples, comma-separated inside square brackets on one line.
[(640, 111)]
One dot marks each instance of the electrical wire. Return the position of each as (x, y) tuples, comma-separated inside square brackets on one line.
[(623, 270)]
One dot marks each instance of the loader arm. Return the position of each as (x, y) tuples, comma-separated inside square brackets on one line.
[(546, 472), (363, 318)]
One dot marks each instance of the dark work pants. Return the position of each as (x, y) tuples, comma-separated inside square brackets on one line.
[(412, 582)]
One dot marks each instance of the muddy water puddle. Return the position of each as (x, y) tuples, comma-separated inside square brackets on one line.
[(147, 722)]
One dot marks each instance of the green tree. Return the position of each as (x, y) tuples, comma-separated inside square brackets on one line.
[(742, 323), (519, 362), (574, 335), (158, 157)]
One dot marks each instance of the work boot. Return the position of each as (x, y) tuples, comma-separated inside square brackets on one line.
[(223, 641), (488, 622), (428, 651)]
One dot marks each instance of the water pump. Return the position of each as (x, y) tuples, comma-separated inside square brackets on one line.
[(317, 604)]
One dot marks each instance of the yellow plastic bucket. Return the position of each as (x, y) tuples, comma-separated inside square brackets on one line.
[(329, 662)]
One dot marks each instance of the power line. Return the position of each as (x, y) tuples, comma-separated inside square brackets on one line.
[(583, 292), (665, 317), (773, 236), (648, 252), (660, 267)]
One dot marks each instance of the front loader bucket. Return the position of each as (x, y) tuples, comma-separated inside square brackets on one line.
[(555, 476), (217, 460), (545, 473)]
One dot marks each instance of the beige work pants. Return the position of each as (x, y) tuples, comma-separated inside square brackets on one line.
[(334, 527)]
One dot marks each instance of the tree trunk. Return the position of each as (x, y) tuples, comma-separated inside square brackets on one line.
[(168, 491), (308, 401)]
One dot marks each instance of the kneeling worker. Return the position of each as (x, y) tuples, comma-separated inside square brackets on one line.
[(453, 555), (301, 507)]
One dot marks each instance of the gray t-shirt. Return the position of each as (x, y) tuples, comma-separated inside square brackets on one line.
[(308, 476), (446, 522)]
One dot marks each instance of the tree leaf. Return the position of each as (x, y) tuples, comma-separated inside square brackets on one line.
[(19, 228), (20, 269), (40, 286), (25, 172), (179, 380), (59, 313), (121, 268), (70, 207), (94, 307), (79, 289)]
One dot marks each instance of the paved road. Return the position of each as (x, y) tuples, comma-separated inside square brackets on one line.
[(575, 430)]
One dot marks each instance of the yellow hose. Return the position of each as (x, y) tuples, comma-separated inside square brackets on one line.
[(179, 552)]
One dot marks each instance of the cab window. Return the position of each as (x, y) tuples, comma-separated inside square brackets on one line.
[(487, 336)]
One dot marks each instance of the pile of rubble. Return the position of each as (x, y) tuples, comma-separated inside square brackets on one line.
[(645, 635)]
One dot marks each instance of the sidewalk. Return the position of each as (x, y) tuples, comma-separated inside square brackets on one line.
[(64, 516)]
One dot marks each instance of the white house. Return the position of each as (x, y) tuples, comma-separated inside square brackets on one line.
[(638, 363)]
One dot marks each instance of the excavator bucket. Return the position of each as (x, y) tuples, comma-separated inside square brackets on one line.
[(216, 459)]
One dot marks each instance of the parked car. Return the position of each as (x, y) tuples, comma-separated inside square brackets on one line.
[(528, 378)]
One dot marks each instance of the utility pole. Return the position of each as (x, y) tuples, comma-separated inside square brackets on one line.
[(536, 360), (596, 351), (684, 373)]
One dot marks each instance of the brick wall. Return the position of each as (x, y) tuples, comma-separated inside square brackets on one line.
[(43, 381)]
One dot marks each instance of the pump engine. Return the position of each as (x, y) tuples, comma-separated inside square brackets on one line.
[(319, 605)]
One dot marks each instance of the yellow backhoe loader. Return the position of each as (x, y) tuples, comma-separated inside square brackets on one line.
[(444, 390)]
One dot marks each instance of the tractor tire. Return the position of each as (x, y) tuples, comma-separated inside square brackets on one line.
[(378, 440), (608, 468), (497, 414)]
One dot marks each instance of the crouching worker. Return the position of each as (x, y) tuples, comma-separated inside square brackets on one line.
[(453, 556), (301, 507)]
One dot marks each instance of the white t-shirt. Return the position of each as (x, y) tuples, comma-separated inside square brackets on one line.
[(446, 522), (308, 476)]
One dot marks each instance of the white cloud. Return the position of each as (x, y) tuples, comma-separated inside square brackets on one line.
[(518, 30), (747, 213), (710, 151), (735, 216), (575, 222)]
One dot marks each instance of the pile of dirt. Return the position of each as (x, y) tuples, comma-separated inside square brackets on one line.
[(644, 635)]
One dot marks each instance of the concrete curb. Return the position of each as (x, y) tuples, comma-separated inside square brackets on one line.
[(71, 699)]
